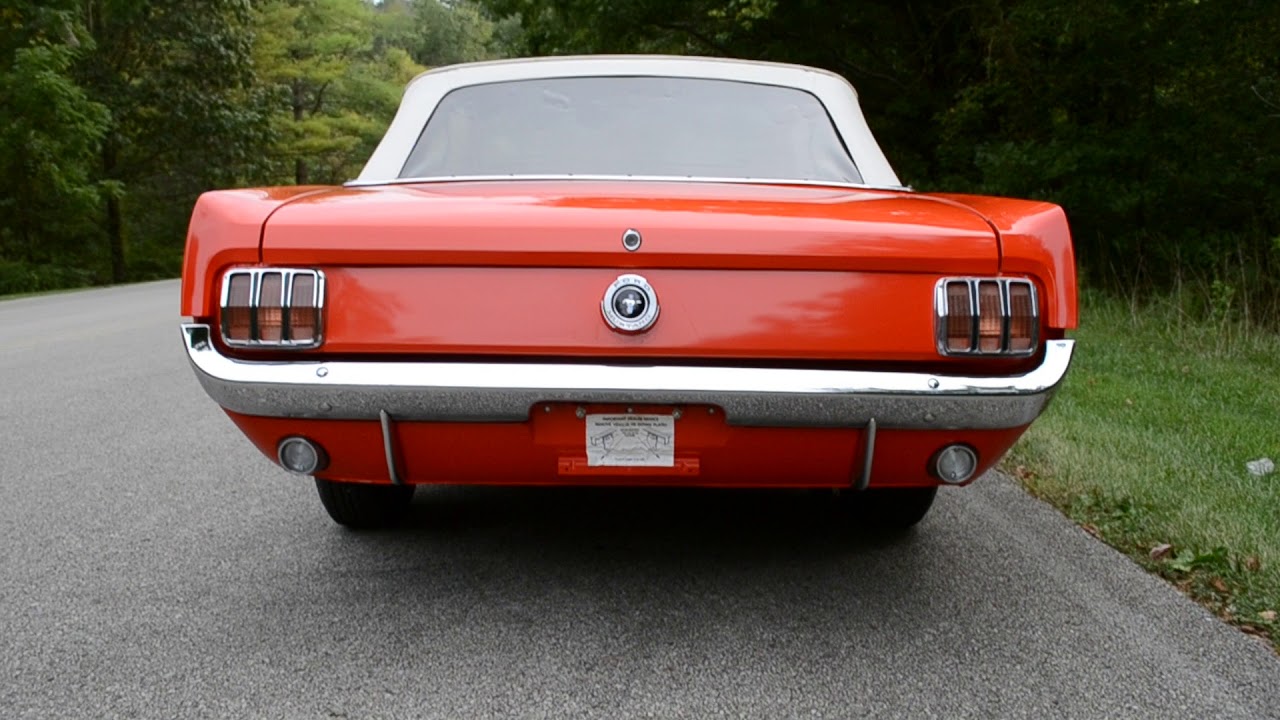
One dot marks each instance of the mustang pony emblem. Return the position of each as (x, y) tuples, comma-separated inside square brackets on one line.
[(630, 304)]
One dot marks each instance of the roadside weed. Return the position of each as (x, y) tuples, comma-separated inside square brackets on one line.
[(1146, 443)]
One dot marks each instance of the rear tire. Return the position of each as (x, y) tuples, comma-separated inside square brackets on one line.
[(361, 506), (891, 508)]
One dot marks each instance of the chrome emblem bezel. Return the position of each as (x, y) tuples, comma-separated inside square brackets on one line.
[(624, 324)]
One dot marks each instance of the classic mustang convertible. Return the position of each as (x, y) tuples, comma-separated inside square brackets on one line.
[(628, 271)]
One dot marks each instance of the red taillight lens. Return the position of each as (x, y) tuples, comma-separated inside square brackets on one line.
[(304, 310), (959, 317), (987, 316), (991, 317), (237, 309), (1022, 318), (273, 308)]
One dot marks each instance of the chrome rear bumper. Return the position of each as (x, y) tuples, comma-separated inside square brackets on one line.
[(505, 392)]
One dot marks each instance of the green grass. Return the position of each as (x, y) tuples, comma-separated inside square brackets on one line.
[(1146, 445)]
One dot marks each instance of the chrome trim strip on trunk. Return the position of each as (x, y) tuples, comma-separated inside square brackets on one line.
[(505, 392), (840, 184)]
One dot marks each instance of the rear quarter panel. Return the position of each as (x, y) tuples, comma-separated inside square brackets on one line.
[(1034, 240), (225, 230)]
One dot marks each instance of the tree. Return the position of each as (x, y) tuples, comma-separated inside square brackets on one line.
[(334, 88), (455, 32), (907, 58), (177, 78), (49, 136), (1149, 122), (1155, 123)]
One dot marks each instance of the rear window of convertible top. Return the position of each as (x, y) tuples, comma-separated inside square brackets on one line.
[(643, 126)]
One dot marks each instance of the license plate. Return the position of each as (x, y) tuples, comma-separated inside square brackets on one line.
[(631, 440)]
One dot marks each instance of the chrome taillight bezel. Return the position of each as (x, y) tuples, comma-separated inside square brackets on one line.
[(288, 275), (942, 313)]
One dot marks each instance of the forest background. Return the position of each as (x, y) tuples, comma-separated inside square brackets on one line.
[(1156, 124)]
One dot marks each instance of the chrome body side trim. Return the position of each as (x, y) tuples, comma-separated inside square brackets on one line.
[(505, 392)]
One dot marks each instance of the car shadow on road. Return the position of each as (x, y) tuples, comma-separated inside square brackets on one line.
[(685, 523), (606, 581)]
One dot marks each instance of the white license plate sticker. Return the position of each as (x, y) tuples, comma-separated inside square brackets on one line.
[(630, 440)]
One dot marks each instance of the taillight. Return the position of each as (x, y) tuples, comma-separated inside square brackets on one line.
[(304, 311), (986, 316), (272, 307), (990, 317), (1024, 319), (961, 310), (237, 312)]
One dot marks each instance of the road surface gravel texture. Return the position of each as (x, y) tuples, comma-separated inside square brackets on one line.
[(154, 565)]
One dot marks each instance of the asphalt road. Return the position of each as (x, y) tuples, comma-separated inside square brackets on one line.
[(152, 564)]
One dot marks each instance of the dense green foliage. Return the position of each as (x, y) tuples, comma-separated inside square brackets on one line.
[(116, 114), (1156, 123), (177, 81), (50, 132)]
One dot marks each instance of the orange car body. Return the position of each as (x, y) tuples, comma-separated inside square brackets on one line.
[(826, 289)]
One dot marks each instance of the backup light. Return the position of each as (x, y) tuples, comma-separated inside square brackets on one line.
[(272, 308), (300, 455), (986, 316), (955, 464)]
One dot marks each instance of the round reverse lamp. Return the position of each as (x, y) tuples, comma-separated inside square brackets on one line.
[(955, 464), (300, 455)]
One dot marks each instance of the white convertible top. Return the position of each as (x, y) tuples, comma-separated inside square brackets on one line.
[(426, 90)]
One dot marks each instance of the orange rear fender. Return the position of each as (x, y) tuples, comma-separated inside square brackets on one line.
[(225, 230)]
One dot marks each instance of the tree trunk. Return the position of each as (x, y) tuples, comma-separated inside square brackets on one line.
[(115, 226), (115, 235), (301, 173)]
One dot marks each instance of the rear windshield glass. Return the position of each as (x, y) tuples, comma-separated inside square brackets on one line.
[(648, 126)]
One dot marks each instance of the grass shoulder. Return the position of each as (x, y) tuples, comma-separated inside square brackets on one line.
[(1145, 446)]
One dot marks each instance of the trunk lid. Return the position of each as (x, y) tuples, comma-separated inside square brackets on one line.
[(580, 224), (510, 268)]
